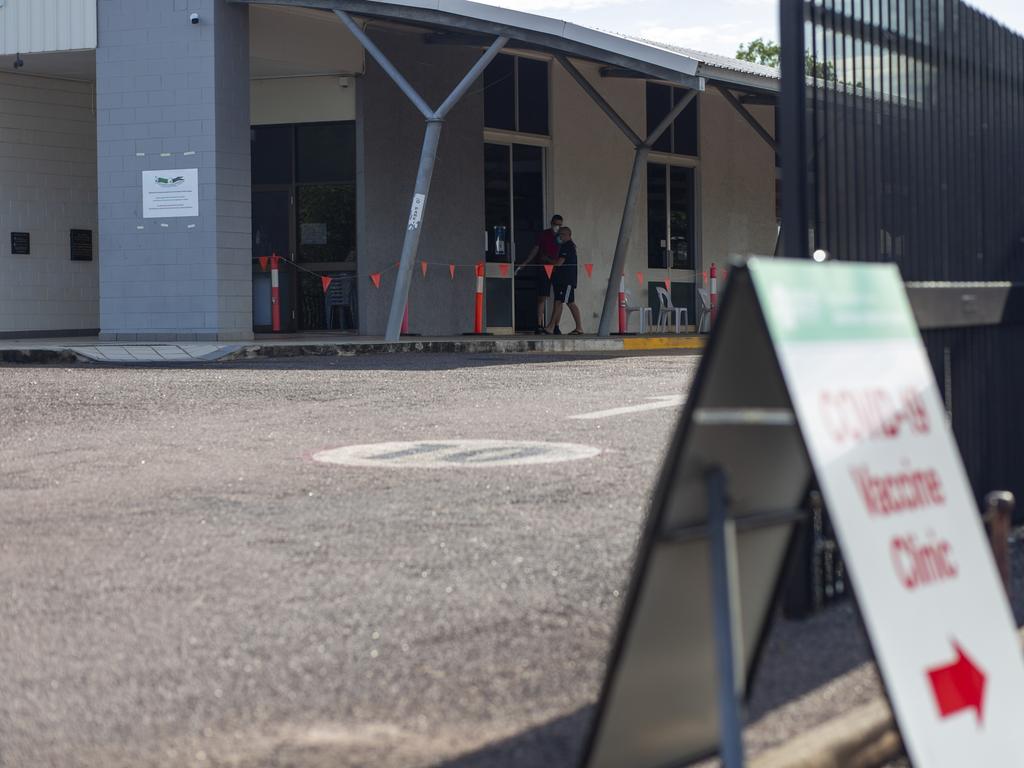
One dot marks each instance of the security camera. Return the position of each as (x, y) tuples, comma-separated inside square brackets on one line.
[(194, 18)]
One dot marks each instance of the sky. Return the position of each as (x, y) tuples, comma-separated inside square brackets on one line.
[(714, 26)]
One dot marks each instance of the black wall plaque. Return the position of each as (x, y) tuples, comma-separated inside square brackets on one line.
[(19, 243), (81, 245)]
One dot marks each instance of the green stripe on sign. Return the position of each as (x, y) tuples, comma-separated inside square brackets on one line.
[(835, 301)]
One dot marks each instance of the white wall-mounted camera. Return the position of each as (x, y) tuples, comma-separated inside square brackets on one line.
[(194, 18)]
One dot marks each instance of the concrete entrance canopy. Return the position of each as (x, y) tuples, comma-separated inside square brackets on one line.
[(459, 22)]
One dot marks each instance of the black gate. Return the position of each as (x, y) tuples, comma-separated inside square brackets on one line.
[(902, 124)]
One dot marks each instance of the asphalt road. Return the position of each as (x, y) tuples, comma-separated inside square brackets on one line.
[(181, 584)]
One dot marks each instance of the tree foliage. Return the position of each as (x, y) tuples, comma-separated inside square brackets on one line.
[(768, 52), (760, 51)]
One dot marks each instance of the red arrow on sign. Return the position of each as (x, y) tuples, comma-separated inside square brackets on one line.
[(958, 686)]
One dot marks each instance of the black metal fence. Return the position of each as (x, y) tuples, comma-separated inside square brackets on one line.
[(902, 125)]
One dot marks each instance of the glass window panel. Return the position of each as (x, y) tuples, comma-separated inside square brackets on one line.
[(680, 202), (684, 127), (498, 200), (326, 226), (532, 83), (657, 216), (658, 100), (271, 154), (500, 93), (528, 204), (326, 152)]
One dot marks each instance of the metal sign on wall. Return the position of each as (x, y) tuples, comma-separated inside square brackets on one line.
[(812, 368), (170, 194)]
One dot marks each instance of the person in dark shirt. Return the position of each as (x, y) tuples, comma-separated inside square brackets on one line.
[(564, 280), (545, 252)]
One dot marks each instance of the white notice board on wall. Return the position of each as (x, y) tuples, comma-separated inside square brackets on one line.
[(170, 193)]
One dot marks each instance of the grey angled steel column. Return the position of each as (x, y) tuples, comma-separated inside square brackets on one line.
[(428, 155), (622, 243), (421, 192), (411, 243)]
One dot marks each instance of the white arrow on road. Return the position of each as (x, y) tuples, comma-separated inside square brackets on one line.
[(662, 401)]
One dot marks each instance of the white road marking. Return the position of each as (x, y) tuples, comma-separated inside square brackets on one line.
[(662, 401), (443, 454)]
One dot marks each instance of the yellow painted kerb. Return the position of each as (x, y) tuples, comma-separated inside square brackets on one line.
[(665, 342)]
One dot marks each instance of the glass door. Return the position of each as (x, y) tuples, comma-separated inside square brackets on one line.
[(500, 249), (272, 233), (513, 217)]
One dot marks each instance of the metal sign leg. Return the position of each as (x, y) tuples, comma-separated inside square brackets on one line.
[(722, 541)]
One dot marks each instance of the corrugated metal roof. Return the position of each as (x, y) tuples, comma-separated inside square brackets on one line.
[(713, 65), (653, 59)]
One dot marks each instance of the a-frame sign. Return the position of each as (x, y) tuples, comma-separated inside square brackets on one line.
[(813, 369)]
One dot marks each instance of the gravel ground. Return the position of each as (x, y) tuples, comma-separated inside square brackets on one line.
[(181, 585)]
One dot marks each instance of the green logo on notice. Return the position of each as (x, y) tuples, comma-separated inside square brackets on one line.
[(165, 182)]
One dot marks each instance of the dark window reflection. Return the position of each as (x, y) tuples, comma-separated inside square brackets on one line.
[(326, 222), (532, 87), (325, 152), (271, 154), (500, 93), (669, 217)]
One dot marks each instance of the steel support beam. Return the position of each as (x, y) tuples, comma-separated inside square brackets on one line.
[(598, 99), (626, 225), (749, 118), (428, 156)]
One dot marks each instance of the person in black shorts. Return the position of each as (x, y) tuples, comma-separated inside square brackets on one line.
[(544, 252), (564, 280)]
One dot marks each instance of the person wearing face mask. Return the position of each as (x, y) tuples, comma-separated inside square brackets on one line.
[(544, 252), (564, 280)]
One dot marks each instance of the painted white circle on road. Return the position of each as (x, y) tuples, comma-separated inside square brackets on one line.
[(438, 454)]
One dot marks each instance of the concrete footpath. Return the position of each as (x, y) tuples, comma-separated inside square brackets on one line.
[(92, 350)]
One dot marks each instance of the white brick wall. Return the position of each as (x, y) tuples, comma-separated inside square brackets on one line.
[(47, 188)]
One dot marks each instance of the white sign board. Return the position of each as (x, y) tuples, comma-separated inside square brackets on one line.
[(902, 507), (170, 194)]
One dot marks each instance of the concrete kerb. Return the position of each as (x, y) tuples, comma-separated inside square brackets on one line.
[(186, 353), (471, 346), (41, 356)]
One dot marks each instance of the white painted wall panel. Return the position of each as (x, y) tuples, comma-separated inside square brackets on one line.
[(302, 100), (47, 188), (36, 26)]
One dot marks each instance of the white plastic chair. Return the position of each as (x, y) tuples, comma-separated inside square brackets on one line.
[(668, 309), (703, 310), (644, 312)]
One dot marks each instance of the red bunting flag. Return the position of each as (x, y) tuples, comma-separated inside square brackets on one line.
[(549, 268), (375, 277), (423, 268), (590, 269), (263, 263), (503, 268), (326, 282), (668, 285), (640, 278), (451, 270)]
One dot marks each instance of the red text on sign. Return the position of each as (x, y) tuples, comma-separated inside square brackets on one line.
[(904, 491), (920, 563), (853, 416)]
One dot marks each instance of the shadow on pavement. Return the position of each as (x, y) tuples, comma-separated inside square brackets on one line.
[(558, 742)]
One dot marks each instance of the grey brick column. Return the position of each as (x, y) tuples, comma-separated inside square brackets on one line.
[(171, 94)]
